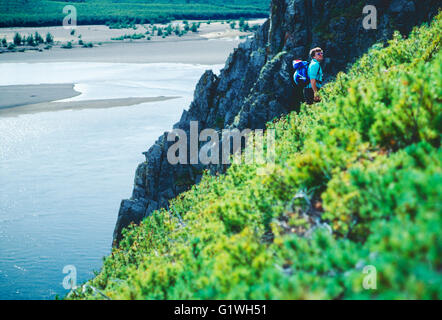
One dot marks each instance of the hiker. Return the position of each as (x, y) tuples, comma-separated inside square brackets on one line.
[(311, 94), (308, 76)]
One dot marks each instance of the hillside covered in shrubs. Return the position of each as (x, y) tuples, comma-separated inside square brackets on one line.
[(357, 182)]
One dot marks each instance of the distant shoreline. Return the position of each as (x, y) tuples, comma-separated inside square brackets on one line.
[(91, 37), (78, 105), (192, 51)]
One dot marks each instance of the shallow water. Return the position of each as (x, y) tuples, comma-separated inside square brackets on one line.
[(63, 174)]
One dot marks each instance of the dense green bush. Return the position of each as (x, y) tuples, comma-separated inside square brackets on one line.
[(134, 36), (30, 41), (67, 45), (17, 39), (194, 27), (38, 38), (357, 182), (49, 38)]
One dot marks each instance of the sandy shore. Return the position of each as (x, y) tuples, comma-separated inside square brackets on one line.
[(78, 105), (200, 51), (15, 96)]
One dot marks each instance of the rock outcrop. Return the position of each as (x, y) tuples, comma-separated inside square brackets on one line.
[(255, 85)]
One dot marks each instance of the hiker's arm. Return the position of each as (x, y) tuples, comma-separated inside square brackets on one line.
[(315, 88)]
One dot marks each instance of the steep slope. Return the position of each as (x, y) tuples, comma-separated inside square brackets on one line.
[(255, 85), (355, 189)]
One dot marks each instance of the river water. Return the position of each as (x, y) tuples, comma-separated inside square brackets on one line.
[(64, 173)]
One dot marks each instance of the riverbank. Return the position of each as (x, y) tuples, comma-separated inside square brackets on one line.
[(141, 38), (77, 105), (201, 51), (19, 95)]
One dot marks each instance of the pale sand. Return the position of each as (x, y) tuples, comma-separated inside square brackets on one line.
[(78, 105), (19, 95), (200, 51)]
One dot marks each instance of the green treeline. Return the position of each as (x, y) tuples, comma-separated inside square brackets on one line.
[(50, 13)]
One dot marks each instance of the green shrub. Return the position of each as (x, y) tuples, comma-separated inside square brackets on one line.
[(194, 27), (49, 38), (245, 27), (177, 30), (169, 30), (17, 39), (38, 38), (137, 36), (241, 22), (30, 41), (67, 45)]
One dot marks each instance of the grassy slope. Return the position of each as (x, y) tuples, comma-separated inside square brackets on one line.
[(49, 12), (367, 159)]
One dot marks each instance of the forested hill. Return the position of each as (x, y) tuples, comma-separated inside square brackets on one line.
[(50, 12)]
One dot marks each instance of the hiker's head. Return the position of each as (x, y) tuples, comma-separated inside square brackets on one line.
[(317, 54)]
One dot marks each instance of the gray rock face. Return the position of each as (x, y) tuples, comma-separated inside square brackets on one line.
[(255, 85)]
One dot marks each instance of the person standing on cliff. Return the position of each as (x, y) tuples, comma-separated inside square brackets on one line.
[(311, 92)]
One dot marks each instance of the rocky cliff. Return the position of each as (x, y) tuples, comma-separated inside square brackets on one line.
[(255, 85)]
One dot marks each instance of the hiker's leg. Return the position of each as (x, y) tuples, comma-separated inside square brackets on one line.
[(309, 95)]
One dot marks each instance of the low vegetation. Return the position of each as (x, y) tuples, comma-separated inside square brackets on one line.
[(177, 29), (67, 45), (31, 40), (357, 183)]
